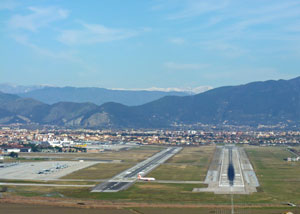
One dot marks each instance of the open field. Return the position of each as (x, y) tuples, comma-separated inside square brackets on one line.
[(181, 172), (279, 180), (99, 171), (190, 164), (37, 209), (194, 155), (136, 154), (22, 159), (139, 192), (165, 197), (211, 210)]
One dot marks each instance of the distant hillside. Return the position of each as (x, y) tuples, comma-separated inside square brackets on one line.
[(16, 89), (269, 102), (99, 96), (266, 102)]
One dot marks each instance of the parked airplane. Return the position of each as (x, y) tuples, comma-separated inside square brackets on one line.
[(144, 178)]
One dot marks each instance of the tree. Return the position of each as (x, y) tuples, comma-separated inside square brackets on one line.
[(3, 189), (14, 155), (34, 148)]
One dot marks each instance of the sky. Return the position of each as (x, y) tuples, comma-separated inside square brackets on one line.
[(148, 43)]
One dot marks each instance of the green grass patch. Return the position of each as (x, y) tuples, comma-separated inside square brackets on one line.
[(279, 180), (99, 171), (190, 164)]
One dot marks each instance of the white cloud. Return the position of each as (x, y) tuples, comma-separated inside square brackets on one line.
[(37, 18), (94, 33), (177, 41), (257, 21), (180, 66)]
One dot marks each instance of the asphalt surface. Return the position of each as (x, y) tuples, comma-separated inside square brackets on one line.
[(230, 172), (112, 186), (42, 170), (154, 161), (125, 179)]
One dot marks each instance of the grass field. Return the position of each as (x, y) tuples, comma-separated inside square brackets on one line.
[(12, 160), (37, 209), (190, 164), (151, 193), (212, 210), (279, 180), (140, 192), (99, 171)]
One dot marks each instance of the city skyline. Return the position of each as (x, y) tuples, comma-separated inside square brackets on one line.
[(145, 44)]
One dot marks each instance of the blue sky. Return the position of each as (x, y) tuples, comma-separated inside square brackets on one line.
[(143, 43)]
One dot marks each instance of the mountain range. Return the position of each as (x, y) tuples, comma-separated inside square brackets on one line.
[(269, 102), (99, 96)]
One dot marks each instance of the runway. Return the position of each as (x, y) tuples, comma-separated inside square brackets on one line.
[(230, 172), (112, 186), (126, 178)]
